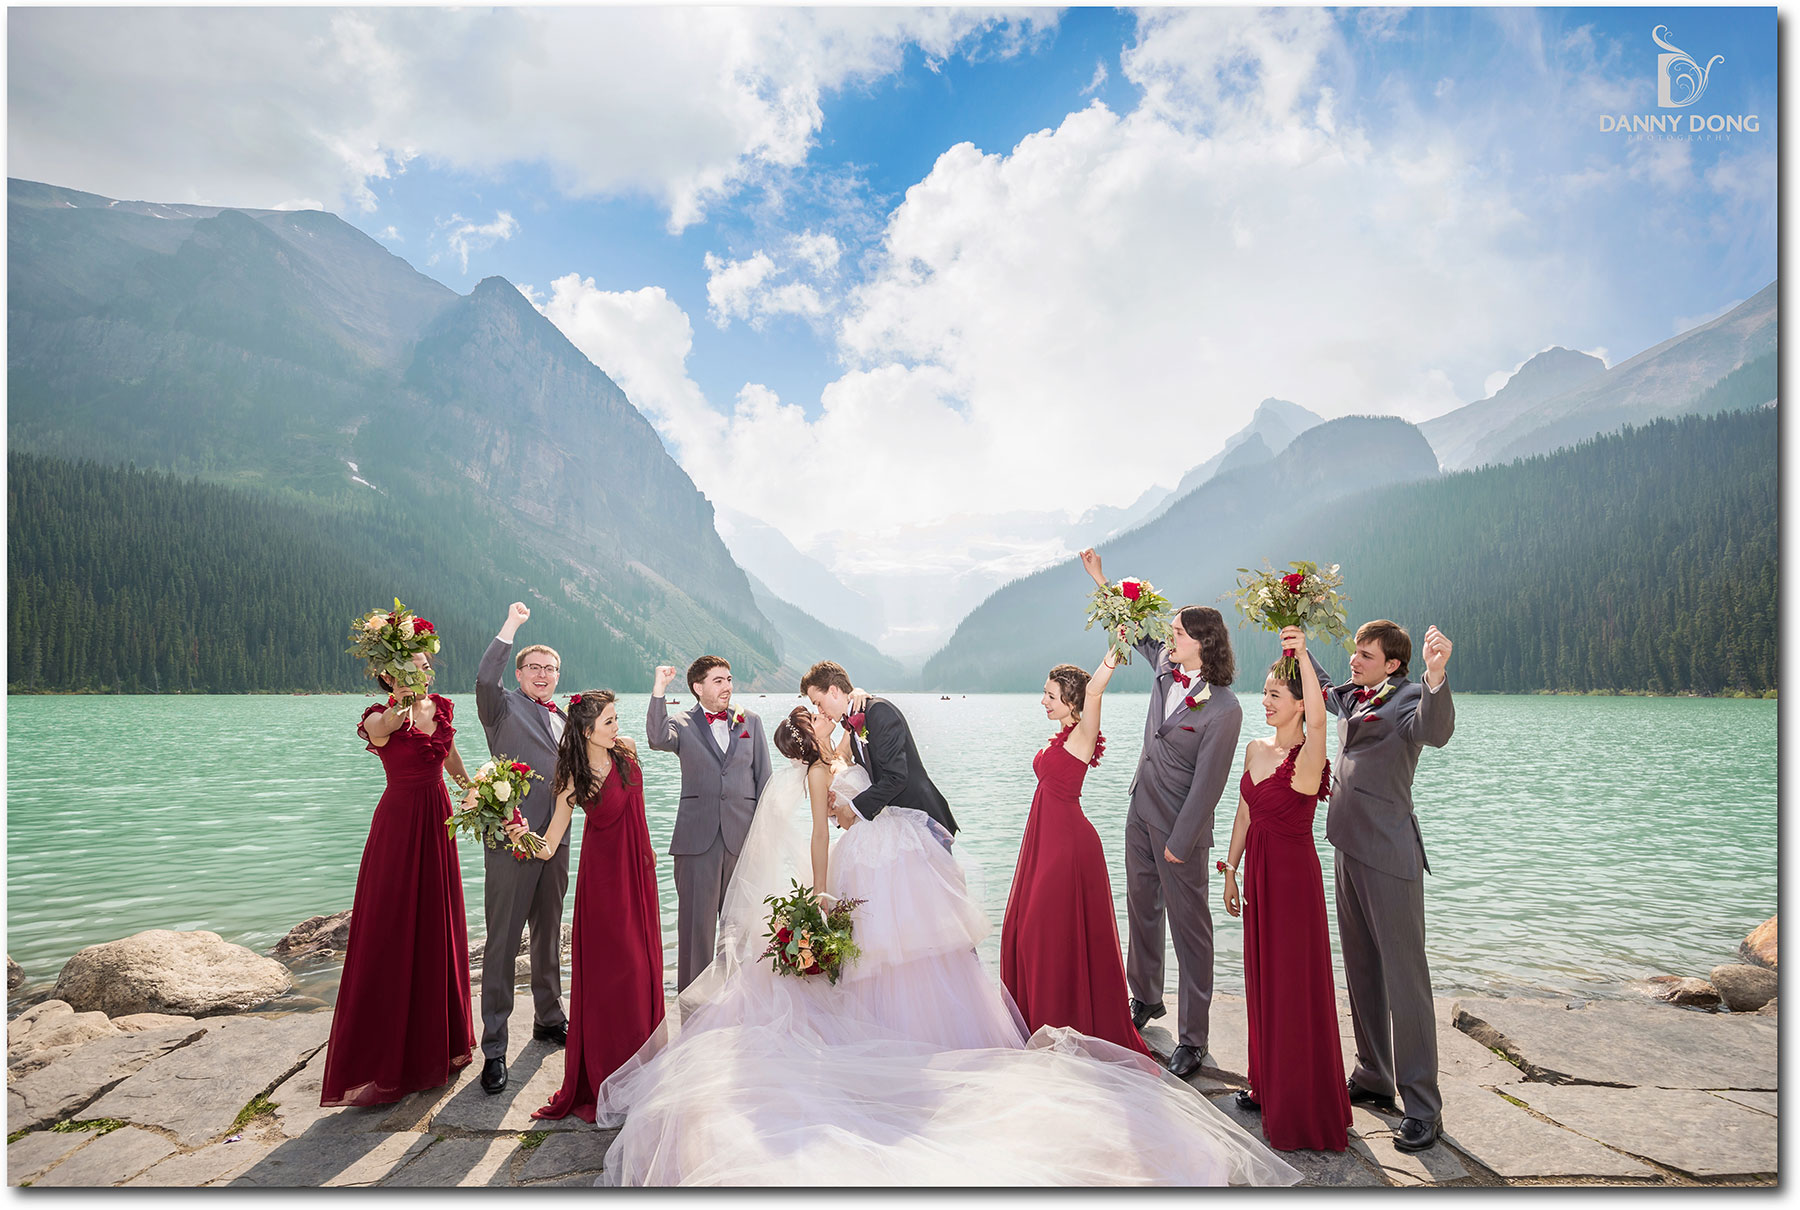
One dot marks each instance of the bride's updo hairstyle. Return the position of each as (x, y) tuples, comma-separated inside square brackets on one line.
[(1071, 686), (794, 737), (572, 766), (1207, 626)]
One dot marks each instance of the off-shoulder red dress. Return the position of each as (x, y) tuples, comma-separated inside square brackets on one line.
[(403, 1020)]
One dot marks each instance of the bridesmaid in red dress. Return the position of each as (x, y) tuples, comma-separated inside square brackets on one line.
[(1059, 940), (1296, 1058), (616, 976), (403, 1020)]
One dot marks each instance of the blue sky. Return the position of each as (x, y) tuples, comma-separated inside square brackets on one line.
[(991, 269)]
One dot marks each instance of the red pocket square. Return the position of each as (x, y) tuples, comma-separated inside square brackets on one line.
[(1187, 728), (745, 735)]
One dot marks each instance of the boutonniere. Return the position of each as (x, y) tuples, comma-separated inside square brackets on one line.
[(1381, 695), (855, 723), (1196, 701), (738, 721)]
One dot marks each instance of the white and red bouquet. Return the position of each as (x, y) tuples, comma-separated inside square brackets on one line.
[(1306, 595), (492, 802), (1130, 612), (806, 938), (388, 640)]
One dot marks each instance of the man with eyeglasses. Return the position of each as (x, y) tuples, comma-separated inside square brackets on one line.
[(522, 724)]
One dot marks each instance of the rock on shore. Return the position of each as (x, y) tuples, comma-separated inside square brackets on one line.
[(1744, 988), (1759, 947), (1685, 992), (15, 974), (196, 974), (316, 937)]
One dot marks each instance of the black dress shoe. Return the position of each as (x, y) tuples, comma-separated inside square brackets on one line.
[(1142, 1014), (1374, 1100), (1246, 1102), (1185, 1061), (1415, 1135), (556, 1035), (493, 1076)]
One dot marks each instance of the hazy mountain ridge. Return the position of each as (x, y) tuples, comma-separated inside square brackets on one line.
[(276, 349)]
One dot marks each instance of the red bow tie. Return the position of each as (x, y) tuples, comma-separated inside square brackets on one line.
[(1363, 695), (720, 717), (1181, 678), (550, 706)]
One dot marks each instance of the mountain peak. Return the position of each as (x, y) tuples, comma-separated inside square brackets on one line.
[(1556, 364)]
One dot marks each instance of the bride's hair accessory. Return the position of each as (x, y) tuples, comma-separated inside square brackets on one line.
[(794, 737)]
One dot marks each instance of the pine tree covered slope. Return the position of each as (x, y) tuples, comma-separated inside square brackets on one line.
[(1643, 561)]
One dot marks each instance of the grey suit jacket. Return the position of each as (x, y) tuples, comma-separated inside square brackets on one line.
[(518, 727), (1371, 815), (1185, 761), (718, 789)]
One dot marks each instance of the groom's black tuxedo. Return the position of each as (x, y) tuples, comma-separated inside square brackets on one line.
[(897, 776)]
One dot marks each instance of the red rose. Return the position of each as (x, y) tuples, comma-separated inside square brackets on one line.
[(855, 721), (521, 768), (812, 970), (1131, 589), (421, 626), (1293, 581), (784, 936)]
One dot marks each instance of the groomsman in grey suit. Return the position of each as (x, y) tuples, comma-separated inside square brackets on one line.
[(724, 767), (523, 724), (1190, 749), (1384, 722)]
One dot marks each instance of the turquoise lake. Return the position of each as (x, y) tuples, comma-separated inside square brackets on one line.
[(1576, 843)]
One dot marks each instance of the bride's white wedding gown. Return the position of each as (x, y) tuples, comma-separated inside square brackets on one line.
[(913, 1069)]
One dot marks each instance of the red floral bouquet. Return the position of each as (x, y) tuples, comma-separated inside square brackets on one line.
[(805, 938), (388, 640), (1130, 612), (1306, 596), (492, 803)]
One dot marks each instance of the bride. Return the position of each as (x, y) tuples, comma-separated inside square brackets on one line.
[(914, 1068)]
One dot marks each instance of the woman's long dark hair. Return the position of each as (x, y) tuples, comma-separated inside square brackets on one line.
[(572, 767), (794, 737)]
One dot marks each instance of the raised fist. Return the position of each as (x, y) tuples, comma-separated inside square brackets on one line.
[(518, 612)]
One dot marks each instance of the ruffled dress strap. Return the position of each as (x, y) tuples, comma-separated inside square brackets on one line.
[(1286, 772), (1061, 739), (362, 730)]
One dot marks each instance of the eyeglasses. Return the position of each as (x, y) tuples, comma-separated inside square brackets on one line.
[(538, 668)]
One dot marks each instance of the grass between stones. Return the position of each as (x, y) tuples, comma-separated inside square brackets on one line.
[(15, 1136), (531, 1138), (1514, 1100), (97, 1125), (259, 1107)]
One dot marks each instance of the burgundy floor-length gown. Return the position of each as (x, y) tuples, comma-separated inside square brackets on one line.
[(1296, 1059), (403, 1020), (1059, 942), (616, 976)]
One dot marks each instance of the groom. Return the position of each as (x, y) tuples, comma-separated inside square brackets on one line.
[(883, 744), (724, 767), (525, 725), (1385, 720)]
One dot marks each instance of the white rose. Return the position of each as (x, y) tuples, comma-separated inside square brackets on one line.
[(406, 628), (486, 770), (374, 624), (502, 791)]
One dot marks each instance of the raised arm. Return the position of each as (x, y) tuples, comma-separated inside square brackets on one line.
[(1435, 720), (887, 745), (1329, 693), (1080, 743), (818, 786), (490, 696), (1309, 766), (377, 727), (665, 736)]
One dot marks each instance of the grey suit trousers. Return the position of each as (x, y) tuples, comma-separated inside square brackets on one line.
[(1157, 890), (700, 882), (520, 893), (1381, 933)]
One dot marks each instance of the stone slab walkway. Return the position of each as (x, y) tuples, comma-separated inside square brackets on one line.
[(1536, 1092)]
